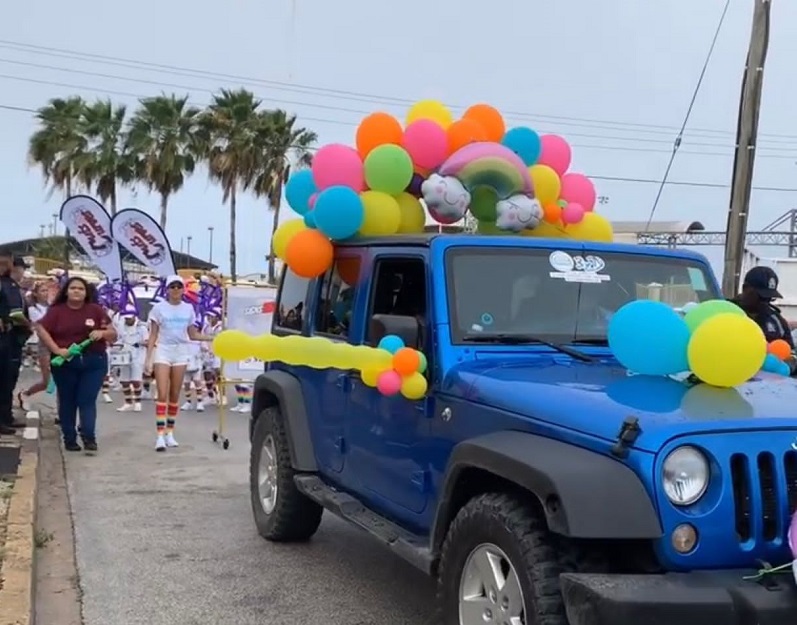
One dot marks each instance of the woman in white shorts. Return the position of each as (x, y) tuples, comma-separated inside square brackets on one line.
[(131, 335), (172, 329)]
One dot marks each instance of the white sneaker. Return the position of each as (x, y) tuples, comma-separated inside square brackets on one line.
[(160, 444), (187, 406), (170, 442), (200, 406), (107, 398), (137, 407), (125, 408)]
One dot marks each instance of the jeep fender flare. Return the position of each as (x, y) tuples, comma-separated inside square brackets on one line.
[(278, 388), (583, 494)]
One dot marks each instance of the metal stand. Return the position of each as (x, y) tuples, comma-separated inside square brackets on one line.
[(218, 435)]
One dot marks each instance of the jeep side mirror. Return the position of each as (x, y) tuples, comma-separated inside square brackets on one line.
[(406, 327)]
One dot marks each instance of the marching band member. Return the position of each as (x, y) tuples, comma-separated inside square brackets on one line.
[(132, 339)]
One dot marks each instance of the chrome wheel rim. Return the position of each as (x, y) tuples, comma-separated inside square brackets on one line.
[(489, 589), (267, 475)]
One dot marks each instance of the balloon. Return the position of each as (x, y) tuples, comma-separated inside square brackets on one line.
[(526, 144), (388, 168), (424, 363), (382, 214), (414, 386), (338, 212), (552, 213), (579, 189), (309, 254), (412, 216), (489, 119), (406, 361), (426, 143), (348, 268), (773, 364), (489, 227), (388, 383), (431, 110), (299, 189), (391, 343), (284, 234), (375, 130), (414, 187), (780, 349), (592, 227), (555, 153), (727, 350), (483, 201), (546, 183), (705, 310), (573, 213), (313, 198), (370, 376), (309, 220), (232, 345), (649, 338), (337, 164), (464, 132)]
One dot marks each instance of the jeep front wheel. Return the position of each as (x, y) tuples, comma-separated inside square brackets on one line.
[(497, 566), (281, 511)]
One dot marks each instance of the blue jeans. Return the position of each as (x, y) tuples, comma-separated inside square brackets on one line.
[(79, 382)]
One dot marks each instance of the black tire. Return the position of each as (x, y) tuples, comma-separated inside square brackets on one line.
[(512, 525), (294, 518)]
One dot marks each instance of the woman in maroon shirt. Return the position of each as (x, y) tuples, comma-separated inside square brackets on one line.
[(71, 319)]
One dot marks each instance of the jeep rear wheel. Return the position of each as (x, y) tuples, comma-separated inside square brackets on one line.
[(281, 511), (497, 566)]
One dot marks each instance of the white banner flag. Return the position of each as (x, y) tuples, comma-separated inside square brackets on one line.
[(144, 238), (90, 225), (249, 309)]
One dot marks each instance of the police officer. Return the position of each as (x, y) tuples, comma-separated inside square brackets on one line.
[(14, 331)]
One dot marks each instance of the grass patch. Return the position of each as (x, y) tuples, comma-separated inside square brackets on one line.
[(41, 538)]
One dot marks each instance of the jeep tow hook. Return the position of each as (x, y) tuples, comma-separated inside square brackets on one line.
[(629, 433)]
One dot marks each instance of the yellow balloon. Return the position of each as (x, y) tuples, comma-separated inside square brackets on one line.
[(727, 350), (412, 216), (382, 215), (372, 357), (284, 234), (233, 345), (413, 386), (546, 230), (547, 184), (342, 356), (370, 376), (593, 227), (266, 347), (430, 109)]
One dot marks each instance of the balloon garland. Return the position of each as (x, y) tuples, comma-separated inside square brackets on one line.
[(512, 181)]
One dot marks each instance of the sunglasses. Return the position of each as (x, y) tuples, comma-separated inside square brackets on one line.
[(175, 285)]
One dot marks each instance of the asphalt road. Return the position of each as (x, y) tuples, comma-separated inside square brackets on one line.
[(167, 538)]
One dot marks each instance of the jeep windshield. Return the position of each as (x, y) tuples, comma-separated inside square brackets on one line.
[(557, 296)]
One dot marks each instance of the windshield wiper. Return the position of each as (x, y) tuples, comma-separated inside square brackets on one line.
[(525, 339), (591, 342)]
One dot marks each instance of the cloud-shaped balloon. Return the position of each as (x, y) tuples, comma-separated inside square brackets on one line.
[(518, 213), (445, 197)]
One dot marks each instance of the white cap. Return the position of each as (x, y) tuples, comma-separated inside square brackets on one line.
[(173, 279)]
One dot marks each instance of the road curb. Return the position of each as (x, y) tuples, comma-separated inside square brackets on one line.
[(18, 572)]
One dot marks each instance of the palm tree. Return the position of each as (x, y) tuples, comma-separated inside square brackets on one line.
[(106, 163), (58, 143), (281, 146), (162, 139), (228, 133)]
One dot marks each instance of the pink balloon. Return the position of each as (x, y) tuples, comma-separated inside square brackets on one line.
[(579, 189), (555, 153), (573, 213), (311, 201), (337, 164), (388, 383), (426, 143)]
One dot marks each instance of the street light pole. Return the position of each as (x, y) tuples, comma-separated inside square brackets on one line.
[(188, 251), (210, 254)]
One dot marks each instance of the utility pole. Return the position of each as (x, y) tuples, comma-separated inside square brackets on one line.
[(746, 137)]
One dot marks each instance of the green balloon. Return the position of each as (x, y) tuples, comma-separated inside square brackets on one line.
[(482, 203), (388, 168), (702, 312), (424, 363), (562, 203)]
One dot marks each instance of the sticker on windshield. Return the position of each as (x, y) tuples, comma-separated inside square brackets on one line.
[(577, 268)]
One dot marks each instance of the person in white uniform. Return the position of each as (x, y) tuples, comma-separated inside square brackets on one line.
[(172, 329), (131, 340)]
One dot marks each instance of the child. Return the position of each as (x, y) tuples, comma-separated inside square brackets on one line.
[(132, 336)]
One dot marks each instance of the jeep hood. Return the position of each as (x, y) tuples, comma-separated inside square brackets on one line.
[(595, 398)]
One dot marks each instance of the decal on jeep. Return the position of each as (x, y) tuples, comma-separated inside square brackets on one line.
[(585, 269)]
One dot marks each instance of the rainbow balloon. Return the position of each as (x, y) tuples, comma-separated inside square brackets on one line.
[(489, 164)]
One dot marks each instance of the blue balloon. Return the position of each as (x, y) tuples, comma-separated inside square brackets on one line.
[(298, 190), (391, 343), (773, 364), (339, 212), (525, 143), (309, 220), (649, 338)]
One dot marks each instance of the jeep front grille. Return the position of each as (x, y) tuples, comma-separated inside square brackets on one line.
[(764, 495)]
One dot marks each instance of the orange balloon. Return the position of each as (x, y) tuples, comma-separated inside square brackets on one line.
[(309, 254), (780, 349), (462, 132), (552, 213), (406, 361), (375, 130), (489, 119), (348, 269)]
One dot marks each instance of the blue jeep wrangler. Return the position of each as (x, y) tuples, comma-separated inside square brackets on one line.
[(538, 480)]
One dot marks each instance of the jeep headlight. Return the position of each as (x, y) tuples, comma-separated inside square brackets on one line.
[(685, 475)]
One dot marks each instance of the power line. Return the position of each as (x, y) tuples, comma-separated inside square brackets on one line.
[(329, 92)]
